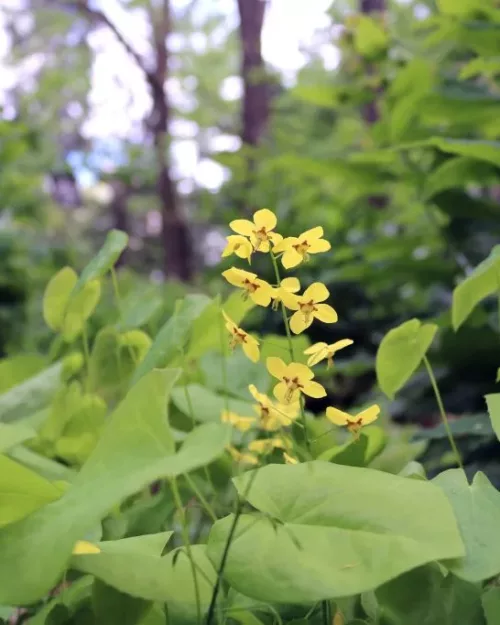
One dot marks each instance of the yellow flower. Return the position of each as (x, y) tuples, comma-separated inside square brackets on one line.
[(240, 423), (258, 290), (289, 459), (260, 230), (320, 351), (236, 244), (294, 379), (289, 285), (249, 344), (353, 423), (242, 457), (83, 548), (297, 249), (266, 445), (273, 416), (308, 307)]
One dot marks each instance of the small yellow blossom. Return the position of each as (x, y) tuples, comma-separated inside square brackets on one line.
[(239, 245), (249, 344), (308, 307), (266, 445), (242, 457), (260, 230), (353, 423), (320, 351), (273, 416), (83, 548), (258, 290), (289, 459), (297, 249), (294, 379), (289, 285), (240, 423)]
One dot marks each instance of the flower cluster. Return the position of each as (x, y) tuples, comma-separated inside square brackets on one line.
[(294, 379)]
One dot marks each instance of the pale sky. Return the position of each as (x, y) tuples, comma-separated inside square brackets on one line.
[(117, 108)]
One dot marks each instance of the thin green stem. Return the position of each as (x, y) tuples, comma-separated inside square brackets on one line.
[(290, 347), (442, 411), (325, 612), (208, 508), (185, 536)]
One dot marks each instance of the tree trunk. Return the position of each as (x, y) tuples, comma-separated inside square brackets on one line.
[(177, 246), (256, 89)]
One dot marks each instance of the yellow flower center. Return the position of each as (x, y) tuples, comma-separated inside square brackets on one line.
[(307, 309), (238, 337), (302, 248), (261, 236), (293, 384), (264, 413), (354, 427), (249, 286)]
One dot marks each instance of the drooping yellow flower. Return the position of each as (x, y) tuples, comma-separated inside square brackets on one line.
[(294, 379), (308, 307), (297, 249), (353, 423), (242, 457), (249, 344), (273, 416), (266, 445), (258, 290), (239, 245), (289, 285), (240, 423), (289, 459), (320, 351), (260, 230), (83, 548)]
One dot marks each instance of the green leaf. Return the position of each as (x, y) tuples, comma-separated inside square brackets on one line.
[(135, 449), (139, 309), (112, 607), (116, 241), (167, 579), (400, 353), (477, 509), (462, 8), (56, 297), (22, 491), (457, 173), (337, 531), (12, 434), (172, 338), (238, 370), (275, 345), (206, 405), (19, 368), (491, 605), (45, 467), (493, 403), (357, 453), (73, 598), (79, 309), (370, 37), (483, 281), (32, 395)]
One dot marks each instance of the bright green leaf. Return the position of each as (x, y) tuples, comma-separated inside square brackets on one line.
[(493, 403), (56, 297), (400, 353), (491, 605), (338, 531), (370, 38), (79, 309), (12, 434), (116, 241), (206, 405), (19, 368)]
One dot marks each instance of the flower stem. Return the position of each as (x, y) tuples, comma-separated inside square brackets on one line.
[(208, 508), (290, 347), (185, 536), (442, 411)]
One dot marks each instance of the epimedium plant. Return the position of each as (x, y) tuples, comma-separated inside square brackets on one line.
[(152, 479)]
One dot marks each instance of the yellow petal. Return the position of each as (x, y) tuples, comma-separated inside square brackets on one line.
[(276, 367), (291, 258), (275, 238), (244, 250), (336, 416), (262, 296), (292, 285), (317, 347), (290, 300), (297, 369), (289, 459), (310, 235), (326, 313), (254, 392), (316, 292), (314, 389), (281, 393), (264, 218), (242, 226), (339, 345), (317, 357), (369, 415), (321, 245), (298, 322), (83, 548), (262, 246), (284, 244), (251, 349), (233, 276)]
